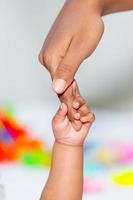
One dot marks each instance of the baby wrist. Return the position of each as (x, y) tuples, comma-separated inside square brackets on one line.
[(66, 144)]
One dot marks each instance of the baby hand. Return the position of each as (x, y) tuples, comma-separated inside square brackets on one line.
[(64, 131), (77, 109)]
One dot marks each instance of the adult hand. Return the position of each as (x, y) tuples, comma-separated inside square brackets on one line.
[(73, 37)]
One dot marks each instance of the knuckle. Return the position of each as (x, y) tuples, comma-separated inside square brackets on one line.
[(83, 110), (45, 58), (65, 68), (40, 58), (82, 101), (89, 51), (86, 107), (93, 117), (79, 99)]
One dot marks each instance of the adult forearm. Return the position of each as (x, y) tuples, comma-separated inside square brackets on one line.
[(111, 6), (66, 175)]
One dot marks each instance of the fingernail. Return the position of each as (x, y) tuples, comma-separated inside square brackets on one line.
[(59, 85), (82, 118), (77, 115), (77, 104)]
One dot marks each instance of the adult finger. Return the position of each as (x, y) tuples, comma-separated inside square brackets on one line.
[(68, 66)]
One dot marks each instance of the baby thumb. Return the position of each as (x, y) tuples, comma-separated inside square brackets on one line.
[(61, 113)]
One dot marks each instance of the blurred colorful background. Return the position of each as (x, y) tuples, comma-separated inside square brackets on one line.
[(27, 104)]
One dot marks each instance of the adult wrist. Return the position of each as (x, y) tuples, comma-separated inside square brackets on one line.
[(96, 6), (112, 6), (103, 7), (108, 6)]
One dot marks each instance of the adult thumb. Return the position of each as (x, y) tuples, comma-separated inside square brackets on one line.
[(66, 70)]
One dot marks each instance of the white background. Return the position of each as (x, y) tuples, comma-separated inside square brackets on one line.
[(105, 79), (107, 73)]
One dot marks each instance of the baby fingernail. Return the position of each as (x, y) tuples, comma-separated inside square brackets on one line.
[(77, 115), (83, 119), (76, 105)]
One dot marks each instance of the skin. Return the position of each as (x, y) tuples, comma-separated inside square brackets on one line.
[(79, 110), (64, 50), (65, 47), (73, 37), (67, 157)]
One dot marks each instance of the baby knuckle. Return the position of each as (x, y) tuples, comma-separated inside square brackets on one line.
[(82, 101), (93, 117), (86, 107)]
